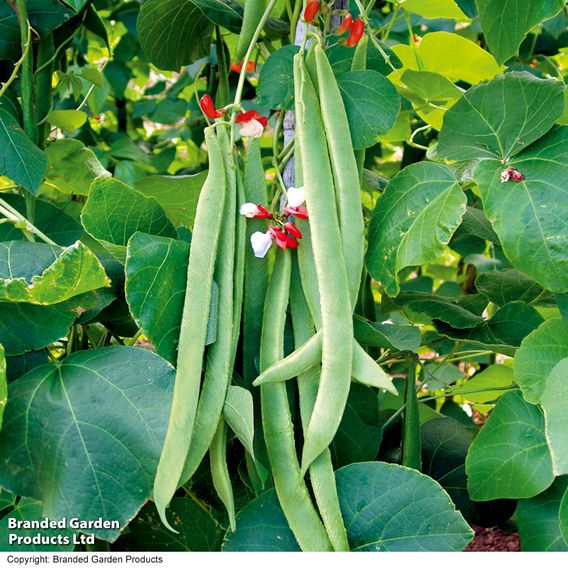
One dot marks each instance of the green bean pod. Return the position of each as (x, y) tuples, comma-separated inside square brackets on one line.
[(335, 302), (290, 487), (221, 354), (322, 476), (251, 18), (240, 251), (193, 329), (345, 172), (256, 269), (220, 471), (411, 439)]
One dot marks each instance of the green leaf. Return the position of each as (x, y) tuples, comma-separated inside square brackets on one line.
[(261, 527), (538, 520), (431, 87), (72, 167), (387, 507), (506, 23), (169, 111), (413, 220), (450, 55), (177, 195), (510, 459), (67, 120), (461, 312), (341, 58), (476, 223), (31, 510), (20, 160), (500, 118), (564, 516), (372, 105), (538, 354), (42, 274), (275, 90), (553, 403), (224, 13), (359, 434), (26, 327), (52, 221), (239, 415), (114, 212), (173, 33), (198, 531), (531, 215), (493, 377), (440, 375), (6, 500), (59, 418), (387, 336), (504, 286), (3, 384), (434, 8), (445, 443), (156, 270), (503, 332)]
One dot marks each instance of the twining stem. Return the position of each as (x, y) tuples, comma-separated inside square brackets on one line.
[(243, 73), (16, 217)]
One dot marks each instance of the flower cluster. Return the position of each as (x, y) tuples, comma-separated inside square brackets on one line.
[(511, 174), (251, 122), (284, 233), (356, 28)]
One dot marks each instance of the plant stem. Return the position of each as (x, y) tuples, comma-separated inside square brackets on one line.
[(15, 216), (242, 75), (18, 63)]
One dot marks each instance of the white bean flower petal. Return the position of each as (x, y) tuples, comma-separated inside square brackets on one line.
[(249, 210), (252, 128), (295, 196), (261, 243)]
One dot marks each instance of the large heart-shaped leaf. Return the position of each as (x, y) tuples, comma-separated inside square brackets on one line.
[(503, 332), (503, 286), (84, 437), (275, 90), (27, 327), (226, 13), (538, 354), (43, 274), (393, 508), (72, 167), (115, 211), (197, 530), (262, 527), (31, 510), (553, 402), (413, 220), (538, 520), (532, 215), (505, 23), (371, 103), (20, 159), (341, 58), (156, 270), (500, 118), (177, 195), (510, 459), (173, 33)]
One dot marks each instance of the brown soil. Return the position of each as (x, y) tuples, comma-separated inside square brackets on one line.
[(493, 540)]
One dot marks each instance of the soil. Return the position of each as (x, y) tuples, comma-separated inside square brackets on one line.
[(493, 539)]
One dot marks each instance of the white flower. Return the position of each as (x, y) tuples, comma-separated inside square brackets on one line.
[(295, 196), (249, 210), (261, 243), (252, 128)]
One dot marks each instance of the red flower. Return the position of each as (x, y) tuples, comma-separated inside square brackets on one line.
[(280, 237), (293, 230), (237, 67), (344, 26), (291, 242), (300, 211), (243, 117), (356, 33), (208, 107), (311, 11)]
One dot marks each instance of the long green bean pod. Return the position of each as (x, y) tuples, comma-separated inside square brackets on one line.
[(335, 302), (345, 172), (240, 251), (220, 471), (193, 329), (220, 355), (277, 423), (322, 476), (251, 18), (411, 439)]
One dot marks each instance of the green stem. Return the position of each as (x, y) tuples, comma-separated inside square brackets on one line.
[(242, 75), (411, 443), (45, 58), (14, 215)]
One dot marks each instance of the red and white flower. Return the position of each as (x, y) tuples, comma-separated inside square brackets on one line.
[(253, 211), (261, 243), (252, 123)]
